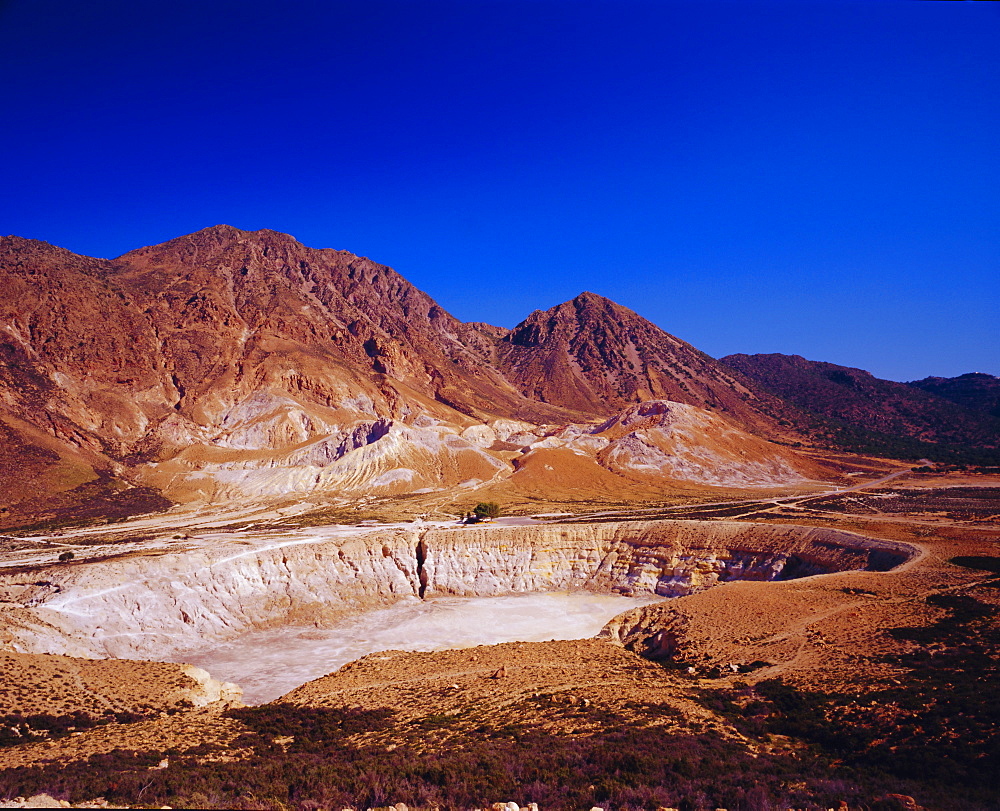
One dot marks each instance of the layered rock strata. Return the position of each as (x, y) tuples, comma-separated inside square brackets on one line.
[(149, 606)]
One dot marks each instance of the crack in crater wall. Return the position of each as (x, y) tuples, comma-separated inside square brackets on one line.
[(421, 554)]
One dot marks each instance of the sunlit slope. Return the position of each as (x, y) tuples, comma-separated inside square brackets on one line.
[(229, 364)]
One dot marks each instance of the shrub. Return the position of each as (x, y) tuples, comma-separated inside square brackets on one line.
[(487, 509)]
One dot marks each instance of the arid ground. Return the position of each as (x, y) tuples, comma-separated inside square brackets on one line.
[(868, 688)]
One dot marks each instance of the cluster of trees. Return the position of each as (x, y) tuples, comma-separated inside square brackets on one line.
[(483, 511)]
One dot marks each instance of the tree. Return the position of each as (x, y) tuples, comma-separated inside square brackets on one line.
[(487, 509)]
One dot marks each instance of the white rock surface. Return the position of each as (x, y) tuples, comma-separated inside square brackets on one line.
[(211, 690), (221, 586)]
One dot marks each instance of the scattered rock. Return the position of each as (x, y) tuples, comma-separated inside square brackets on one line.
[(899, 802)]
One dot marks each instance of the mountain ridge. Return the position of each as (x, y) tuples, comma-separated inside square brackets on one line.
[(856, 398), (976, 391), (242, 364)]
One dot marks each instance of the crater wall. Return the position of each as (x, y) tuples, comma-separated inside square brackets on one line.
[(145, 606), (667, 558)]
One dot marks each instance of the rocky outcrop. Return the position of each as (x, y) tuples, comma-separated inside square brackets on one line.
[(209, 690), (147, 606), (664, 439), (140, 606), (665, 558), (649, 631)]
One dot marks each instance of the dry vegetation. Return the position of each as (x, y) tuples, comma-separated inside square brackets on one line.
[(845, 688)]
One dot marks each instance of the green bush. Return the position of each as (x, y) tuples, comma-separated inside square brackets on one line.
[(487, 509)]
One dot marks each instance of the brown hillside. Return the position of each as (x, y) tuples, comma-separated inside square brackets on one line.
[(230, 364), (861, 400), (595, 356), (976, 391), (222, 299)]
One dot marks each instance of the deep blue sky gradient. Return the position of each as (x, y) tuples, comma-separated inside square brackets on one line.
[(818, 178)]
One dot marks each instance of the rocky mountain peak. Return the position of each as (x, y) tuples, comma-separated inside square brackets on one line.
[(590, 301), (215, 247), (593, 355), (588, 315)]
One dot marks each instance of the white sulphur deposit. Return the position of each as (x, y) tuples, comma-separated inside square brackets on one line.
[(269, 663)]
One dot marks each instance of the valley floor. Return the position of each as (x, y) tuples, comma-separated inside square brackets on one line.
[(864, 688)]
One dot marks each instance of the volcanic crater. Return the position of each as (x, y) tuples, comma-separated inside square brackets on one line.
[(196, 592)]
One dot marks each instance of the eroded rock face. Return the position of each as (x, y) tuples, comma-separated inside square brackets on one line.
[(649, 631), (666, 558), (231, 365), (147, 606), (209, 690), (140, 606)]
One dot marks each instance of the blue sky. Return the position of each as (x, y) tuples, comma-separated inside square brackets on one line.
[(807, 177)]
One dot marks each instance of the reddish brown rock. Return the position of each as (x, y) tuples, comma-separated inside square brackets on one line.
[(229, 364)]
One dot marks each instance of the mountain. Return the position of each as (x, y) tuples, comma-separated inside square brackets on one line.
[(594, 356), (880, 415), (244, 356), (223, 299), (230, 364), (975, 391)]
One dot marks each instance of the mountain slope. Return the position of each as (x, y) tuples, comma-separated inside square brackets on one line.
[(244, 355), (236, 365), (975, 391), (595, 356), (177, 333), (857, 399), (263, 292), (76, 347)]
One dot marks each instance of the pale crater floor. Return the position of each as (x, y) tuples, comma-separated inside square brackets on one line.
[(269, 663)]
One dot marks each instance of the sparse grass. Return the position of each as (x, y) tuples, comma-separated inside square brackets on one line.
[(66, 475), (18, 728), (626, 766), (957, 503), (97, 501), (802, 749), (935, 731)]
